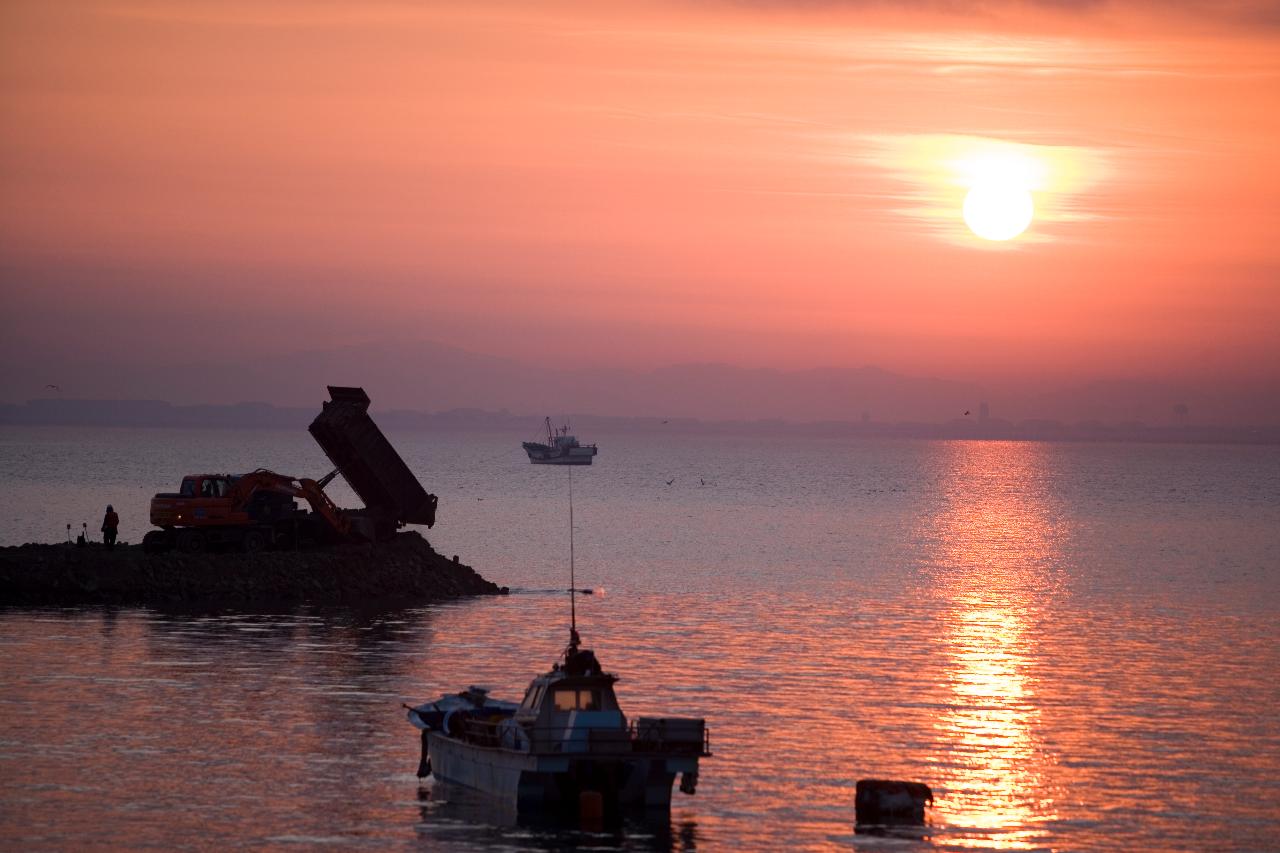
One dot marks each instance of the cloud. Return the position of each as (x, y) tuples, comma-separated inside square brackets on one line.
[(1231, 13)]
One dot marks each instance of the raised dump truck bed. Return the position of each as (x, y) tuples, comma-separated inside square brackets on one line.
[(368, 462)]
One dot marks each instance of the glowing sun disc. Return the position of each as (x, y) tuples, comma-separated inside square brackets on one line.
[(996, 210)]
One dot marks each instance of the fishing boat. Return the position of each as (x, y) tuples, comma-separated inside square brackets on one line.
[(566, 739), (560, 448), (566, 745)]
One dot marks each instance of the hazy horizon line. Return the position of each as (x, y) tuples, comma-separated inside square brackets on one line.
[(972, 426)]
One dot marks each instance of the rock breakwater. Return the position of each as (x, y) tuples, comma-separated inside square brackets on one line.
[(403, 569)]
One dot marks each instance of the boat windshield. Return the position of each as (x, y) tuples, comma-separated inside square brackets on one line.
[(577, 700), (532, 697)]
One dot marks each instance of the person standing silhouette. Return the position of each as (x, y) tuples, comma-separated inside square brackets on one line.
[(110, 523)]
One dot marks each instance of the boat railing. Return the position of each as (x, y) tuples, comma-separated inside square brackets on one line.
[(649, 735), (641, 736), (480, 732)]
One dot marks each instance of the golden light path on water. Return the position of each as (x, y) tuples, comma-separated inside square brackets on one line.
[(997, 536)]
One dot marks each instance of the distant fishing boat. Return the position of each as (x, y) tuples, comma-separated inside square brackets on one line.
[(559, 449), (567, 746)]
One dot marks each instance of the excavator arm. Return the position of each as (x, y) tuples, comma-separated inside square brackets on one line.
[(309, 490), (326, 508)]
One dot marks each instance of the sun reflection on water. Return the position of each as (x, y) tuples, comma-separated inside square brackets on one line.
[(997, 537)]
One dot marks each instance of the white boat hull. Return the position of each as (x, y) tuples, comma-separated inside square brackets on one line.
[(559, 460), (538, 781)]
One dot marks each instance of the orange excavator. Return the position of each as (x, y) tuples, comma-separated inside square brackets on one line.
[(259, 510), (253, 511)]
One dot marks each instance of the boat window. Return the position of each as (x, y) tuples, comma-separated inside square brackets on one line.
[(577, 700)]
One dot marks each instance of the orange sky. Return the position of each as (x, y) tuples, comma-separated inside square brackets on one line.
[(754, 183)]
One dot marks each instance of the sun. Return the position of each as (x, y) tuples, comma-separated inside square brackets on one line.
[(998, 205), (998, 210)]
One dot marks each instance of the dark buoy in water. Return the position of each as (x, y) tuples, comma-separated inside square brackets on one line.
[(591, 810), (891, 801)]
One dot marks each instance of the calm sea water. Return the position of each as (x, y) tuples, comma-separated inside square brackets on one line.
[(1076, 646)]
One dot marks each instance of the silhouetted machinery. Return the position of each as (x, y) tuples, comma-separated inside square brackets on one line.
[(259, 509)]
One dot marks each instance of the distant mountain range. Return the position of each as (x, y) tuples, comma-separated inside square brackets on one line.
[(154, 413), (430, 377)]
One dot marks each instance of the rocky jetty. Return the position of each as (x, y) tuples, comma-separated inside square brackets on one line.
[(402, 570)]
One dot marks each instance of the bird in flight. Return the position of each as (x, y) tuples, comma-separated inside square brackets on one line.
[(672, 480), (966, 413), (54, 387)]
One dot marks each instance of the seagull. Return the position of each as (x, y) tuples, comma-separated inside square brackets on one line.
[(54, 387), (701, 482), (664, 422), (966, 413), (672, 480)]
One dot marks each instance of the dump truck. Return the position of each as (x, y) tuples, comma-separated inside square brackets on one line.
[(259, 509)]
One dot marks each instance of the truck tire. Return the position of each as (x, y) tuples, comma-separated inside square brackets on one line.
[(190, 541), (156, 542), (254, 541)]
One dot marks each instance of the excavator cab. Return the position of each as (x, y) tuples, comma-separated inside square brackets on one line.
[(206, 486), (202, 500)]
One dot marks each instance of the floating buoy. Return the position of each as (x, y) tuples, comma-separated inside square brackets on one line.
[(591, 810), (891, 801)]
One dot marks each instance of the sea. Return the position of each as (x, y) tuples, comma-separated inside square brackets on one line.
[(1076, 646)]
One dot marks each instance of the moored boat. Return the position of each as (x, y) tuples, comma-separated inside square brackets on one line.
[(560, 448), (567, 739), (567, 745)]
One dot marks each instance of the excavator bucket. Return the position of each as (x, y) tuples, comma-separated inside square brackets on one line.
[(366, 460)]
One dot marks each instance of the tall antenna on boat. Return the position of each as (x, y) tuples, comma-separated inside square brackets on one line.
[(573, 611)]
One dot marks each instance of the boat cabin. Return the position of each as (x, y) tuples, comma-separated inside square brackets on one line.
[(572, 708), (566, 440)]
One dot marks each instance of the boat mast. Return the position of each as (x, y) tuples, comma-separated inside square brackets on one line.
[(573, 611)]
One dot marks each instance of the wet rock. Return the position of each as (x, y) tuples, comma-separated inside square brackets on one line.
[(403, 569)]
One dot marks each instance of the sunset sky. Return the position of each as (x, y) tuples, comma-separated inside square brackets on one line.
[(643, 184)]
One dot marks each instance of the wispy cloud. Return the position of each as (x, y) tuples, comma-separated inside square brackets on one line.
[(1235, 13)]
